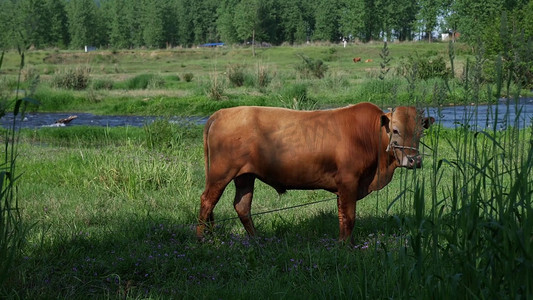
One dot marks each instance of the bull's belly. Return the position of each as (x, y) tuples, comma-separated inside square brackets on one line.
[(284, 182), (282, 188), (293, 171)]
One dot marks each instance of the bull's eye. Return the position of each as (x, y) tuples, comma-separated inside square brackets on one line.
[(395, 131)]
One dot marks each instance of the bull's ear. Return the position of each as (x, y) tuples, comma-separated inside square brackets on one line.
[(385, 121), (428, 122)]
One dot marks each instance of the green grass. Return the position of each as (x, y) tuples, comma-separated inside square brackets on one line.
[(115, 214), (120, 80)]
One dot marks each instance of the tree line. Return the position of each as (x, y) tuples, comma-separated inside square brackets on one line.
[(123, 24)]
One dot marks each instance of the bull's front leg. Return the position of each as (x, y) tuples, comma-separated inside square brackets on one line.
[(346, 201), (346, 218)]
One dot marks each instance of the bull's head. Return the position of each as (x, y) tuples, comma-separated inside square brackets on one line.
[(405, 126)]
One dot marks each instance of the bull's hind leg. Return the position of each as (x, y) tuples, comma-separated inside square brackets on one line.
[(244, 190), (209, 199)]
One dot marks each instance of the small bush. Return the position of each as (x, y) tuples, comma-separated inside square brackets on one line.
[(144, 81), (236, 75), (379, 91), (424, 67), (187, 77), (311, 67), (72, 78), (331, 54), (138, 82), (215, 88), (102, 84), (263, 77), (161, 134), (29, 74), (298, 91), (93, 95), (336, 80), (250, 80), (295, 96), (156, 82), (8, 84)]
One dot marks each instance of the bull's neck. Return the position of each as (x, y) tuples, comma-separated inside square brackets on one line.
[(386, 164)]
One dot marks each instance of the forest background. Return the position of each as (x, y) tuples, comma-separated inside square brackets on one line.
[(120, 24)]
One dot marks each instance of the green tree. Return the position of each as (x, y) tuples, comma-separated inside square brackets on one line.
[(326, 21), (427, 16), (170, 22), (57, 24), (82, 23), (405, 17), (153, 29), (526, 19), (296, 20), (32, 21), (185, 25), (225, 27), (372, 20), (472, 17), (386, 16), (351, 18), (134, 15), (246, 19), (204, 17), (269, 13), (120, 31), (6, 28), (103, 21)]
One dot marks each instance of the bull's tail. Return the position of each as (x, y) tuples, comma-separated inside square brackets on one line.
[(206, 145)]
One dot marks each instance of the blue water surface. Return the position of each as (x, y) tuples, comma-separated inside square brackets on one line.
[(516, 113)]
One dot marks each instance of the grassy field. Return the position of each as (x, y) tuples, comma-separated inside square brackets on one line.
[(112, 216), (201, 81), (110, 212)]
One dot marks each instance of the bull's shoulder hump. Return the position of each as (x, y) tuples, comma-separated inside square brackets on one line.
[(365, 107)]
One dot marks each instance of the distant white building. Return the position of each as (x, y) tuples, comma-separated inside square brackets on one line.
[(89, 48)]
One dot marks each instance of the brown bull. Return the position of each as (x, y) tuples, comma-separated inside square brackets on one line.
[(349, 151)]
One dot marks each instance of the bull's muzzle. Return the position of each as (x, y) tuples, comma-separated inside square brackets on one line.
[(413, 162), (406, 160)]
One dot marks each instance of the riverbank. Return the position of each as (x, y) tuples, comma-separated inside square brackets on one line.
[(500, 115), (197, 82)]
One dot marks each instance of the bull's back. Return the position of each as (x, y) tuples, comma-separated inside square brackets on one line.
[(272, 130)]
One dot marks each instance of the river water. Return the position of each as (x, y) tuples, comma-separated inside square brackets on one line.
[(496, 116), (501, 115)]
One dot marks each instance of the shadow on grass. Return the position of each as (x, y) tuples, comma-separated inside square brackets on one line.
[(141, 256), (323, 224)]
